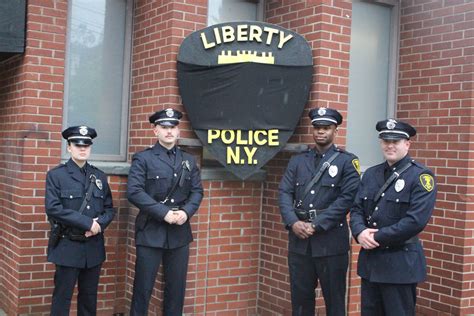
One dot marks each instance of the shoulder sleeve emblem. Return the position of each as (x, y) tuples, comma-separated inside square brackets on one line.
[(427, 182), (356, 164)]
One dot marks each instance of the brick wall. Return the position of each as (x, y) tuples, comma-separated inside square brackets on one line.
[(238, 262), (31, 97), (435, 94)]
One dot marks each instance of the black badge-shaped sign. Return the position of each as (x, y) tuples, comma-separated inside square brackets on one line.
[(244, 86)]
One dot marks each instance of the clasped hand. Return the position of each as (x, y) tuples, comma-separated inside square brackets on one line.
[(302, 229), (95, 228), (178, 217), (366, 238)]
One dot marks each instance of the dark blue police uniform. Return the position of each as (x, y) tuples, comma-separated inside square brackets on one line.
[(324, 255), (152, 176), (391, 271), (77, 260)]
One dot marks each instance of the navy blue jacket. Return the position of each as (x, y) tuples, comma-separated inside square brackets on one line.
[(333, 194), (402, 213), (151, 177), (65, 191)]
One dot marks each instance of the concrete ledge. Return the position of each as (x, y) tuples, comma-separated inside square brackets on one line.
[(218, 173), (207, 173), (112, 168)]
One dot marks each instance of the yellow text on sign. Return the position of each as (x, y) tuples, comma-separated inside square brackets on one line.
[(245, 33), (244, 150)]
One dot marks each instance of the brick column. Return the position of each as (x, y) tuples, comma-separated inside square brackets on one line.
[(435, 94), (326, 26)]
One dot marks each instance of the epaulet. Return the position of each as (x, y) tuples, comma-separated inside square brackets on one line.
[(94, 167), (419, 164), (63, 165), (343, 151)]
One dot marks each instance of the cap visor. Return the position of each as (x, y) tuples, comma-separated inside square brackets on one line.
[(81, 142), (323, 123), (168, 123), (389, 136)]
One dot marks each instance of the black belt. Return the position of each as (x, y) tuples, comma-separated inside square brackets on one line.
[(306, 215), (412, 240), (73, 237)]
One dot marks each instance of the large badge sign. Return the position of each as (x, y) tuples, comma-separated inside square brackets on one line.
[(244, 86)]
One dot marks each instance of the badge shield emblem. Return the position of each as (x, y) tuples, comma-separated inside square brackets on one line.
[(399, 185), (241, 90)]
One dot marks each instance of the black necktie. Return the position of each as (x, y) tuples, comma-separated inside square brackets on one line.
[(317, 160), (387, 172), (84, 173), (171, 155)]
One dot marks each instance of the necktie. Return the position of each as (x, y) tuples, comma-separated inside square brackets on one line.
[(317, 160), (171, 155)]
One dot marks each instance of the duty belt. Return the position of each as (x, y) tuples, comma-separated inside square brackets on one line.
[(74, 237), (306, 215), (412, 240)]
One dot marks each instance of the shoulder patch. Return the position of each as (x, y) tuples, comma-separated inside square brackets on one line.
[(427, 182), (356, 164)]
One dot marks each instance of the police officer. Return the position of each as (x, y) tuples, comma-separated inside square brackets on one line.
[(78, 203), (393, 205), (165, 184), (316, 193)]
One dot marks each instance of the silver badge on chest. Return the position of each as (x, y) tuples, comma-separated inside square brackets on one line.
[(98, 183), (333, 171), (399, 185)]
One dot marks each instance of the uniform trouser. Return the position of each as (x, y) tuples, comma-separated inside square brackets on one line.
[(64, 282), (305, 271), (175, 268), (385, 299)]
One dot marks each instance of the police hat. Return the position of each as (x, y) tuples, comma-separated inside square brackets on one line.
[(79, 135), (325, 116), (392, 129), (168, 117)]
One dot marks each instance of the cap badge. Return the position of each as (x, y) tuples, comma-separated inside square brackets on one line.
[(169, 112), (391, 124), (333, 171), (83, 130), (98, 183), (322, 111), (399, 185)]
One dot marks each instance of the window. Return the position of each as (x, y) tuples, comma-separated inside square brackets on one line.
[(220, 11), (372, 75), (97, 73)]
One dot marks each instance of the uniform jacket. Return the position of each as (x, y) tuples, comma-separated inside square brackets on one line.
[(151, 177), (65, 191), (333, 194), (402, 213)]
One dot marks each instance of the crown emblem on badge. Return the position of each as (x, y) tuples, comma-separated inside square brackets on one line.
[(83, 130), (322, 111), (391, 124), (169, 112)]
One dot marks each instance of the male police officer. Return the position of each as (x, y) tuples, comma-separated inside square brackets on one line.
[(316, 193), (164, 183), (78, 203), (393, 205)]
